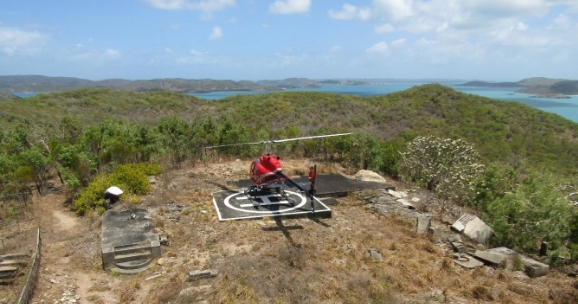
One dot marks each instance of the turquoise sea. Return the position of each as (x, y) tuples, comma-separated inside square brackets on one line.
[(567, 108)]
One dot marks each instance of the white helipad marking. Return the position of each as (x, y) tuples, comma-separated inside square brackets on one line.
[(228, 204), (266, 201)]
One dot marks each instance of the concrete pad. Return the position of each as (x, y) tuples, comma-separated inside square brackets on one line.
[(234, 205), (123, 231), (491, 258), (423, 223), (467, 262), (335, 185), (473, 227), (532, 267)]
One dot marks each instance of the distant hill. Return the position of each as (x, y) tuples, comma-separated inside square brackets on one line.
[(7, 96), (491, 84), (309, 83), (43, 84), (541, 86)]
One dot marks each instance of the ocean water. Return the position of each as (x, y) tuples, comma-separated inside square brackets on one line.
[(567, 108)]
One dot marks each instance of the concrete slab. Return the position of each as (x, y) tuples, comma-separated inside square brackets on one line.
[(532, 267), (335, 185), (466, 261), (489, 257), (235, 205), (127, 229), (473, 227)]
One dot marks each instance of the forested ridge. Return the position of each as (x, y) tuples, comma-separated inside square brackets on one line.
[(499, 130), (82, 134)]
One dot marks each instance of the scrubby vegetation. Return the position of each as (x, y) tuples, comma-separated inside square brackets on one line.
[(525, 159)]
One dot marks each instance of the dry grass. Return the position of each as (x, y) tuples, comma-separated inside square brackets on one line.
[(319, 261)]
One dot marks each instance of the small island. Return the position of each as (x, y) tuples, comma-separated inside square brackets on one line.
[(551, 95)]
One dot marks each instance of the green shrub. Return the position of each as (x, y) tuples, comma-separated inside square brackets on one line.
[(131, 178), (92, 196)]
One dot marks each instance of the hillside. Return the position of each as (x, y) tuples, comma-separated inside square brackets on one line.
[(43, 84), (263, 261), (7, 96), (498, 129)]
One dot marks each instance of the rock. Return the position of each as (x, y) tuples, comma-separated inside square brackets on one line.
[(369, 176), (161, 261), (198, 274), (375, 255), (164, 240), (532, 267), (154, 277), (473, 227), (395, 194), (405, 203), (492, 258), (192, 291), (466, 261), (423, 223)]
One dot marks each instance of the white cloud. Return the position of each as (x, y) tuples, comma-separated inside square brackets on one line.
[(394, 9), (207, 7), (168, 50), (14, 40), (398, 42), (80, 45), (350, 12), (380, 48), (521, 26), (335, 48), (386, 28), (175, 27), (94, 56), (168, 4), (216, 34), (111, 54), (290, 6), (195, 52), (265, 25)]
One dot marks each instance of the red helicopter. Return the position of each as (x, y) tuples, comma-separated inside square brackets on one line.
[(267, 172)]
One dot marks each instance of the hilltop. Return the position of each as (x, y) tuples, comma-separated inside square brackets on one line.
[(265, 261)]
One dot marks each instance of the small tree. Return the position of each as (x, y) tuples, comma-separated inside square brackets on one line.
[(448, 167), (536, 211)]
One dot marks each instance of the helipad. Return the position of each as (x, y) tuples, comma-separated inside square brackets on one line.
[(233, 205)]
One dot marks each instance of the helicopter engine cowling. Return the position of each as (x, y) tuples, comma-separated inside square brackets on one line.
[(265, 169)]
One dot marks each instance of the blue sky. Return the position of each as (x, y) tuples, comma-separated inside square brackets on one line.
[(493, 40)]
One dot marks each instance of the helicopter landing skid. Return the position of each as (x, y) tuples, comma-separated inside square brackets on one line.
[(253, 193)]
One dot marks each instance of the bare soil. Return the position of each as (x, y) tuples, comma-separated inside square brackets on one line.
[(260, 261)]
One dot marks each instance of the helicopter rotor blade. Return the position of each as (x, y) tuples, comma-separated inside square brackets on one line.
[(307, 137), (265, 142), (239, 144)]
